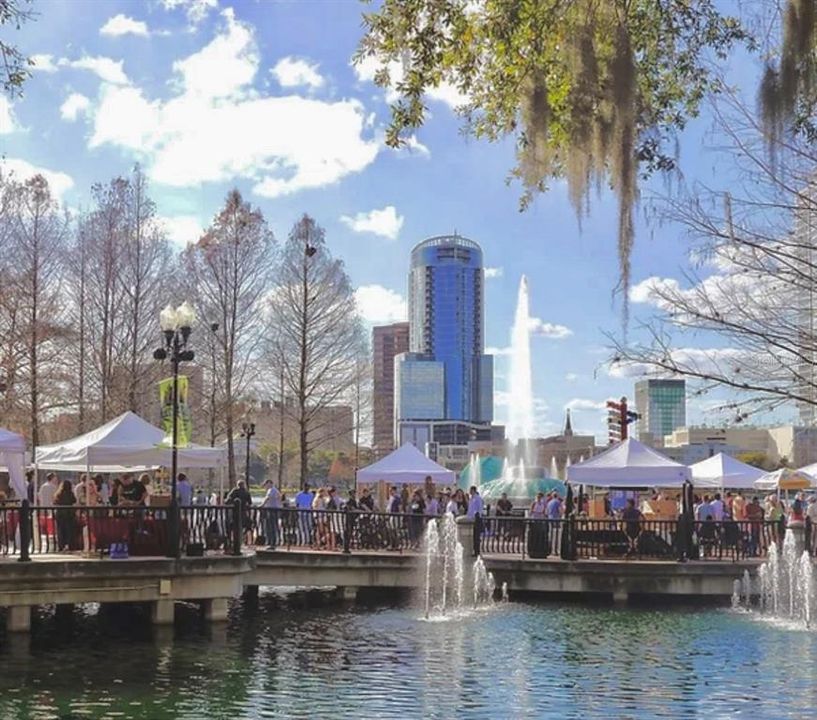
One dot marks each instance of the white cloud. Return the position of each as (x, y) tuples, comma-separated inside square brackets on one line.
[(74, 104), (7, 123), (502, 351), (21, 170), (123, 25), (571, 377), (703, 360), (111, 71), (445, 92), (582, 404), (196, 10), (223, 67), (282, 144), (549, 330), (43, 63), (414, 147), (493, 272), (182, 229), (379, 305), (294, 72), (384, 222)]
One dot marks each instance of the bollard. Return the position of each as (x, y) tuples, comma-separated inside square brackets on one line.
[(25, 530)]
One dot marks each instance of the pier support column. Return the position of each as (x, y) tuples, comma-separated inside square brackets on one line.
[(620, 596), (161, 612), (215, 609), (19, 618), (347, 593)]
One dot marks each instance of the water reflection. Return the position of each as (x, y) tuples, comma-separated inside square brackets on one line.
[(285, 659)]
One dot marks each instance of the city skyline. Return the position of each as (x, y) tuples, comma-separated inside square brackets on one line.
[(114, 89)]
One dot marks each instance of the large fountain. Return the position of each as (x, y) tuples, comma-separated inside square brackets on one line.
[(784, 586), (451, 586), (521, 477)]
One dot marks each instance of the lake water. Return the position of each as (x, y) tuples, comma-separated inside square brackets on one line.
[(289, 658)]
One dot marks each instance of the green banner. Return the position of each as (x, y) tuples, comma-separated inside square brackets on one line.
[(184, 424)]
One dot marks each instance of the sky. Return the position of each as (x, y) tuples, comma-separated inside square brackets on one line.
[(209, 94)]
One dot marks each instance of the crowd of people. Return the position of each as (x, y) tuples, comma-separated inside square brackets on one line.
[(321, 529)]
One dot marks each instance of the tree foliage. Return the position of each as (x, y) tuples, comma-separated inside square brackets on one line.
[(590, 89), (14, 63)]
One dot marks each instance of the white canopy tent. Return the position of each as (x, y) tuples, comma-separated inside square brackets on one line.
[(629, 464), (723, 471), (786, 479), (13, 460), (126, 443), (406, 465)]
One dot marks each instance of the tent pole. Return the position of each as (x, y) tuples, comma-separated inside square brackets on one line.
[(221, 484)]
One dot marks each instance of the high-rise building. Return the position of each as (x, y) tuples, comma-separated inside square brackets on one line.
[(388, 341), (661, 406), (446, 378)]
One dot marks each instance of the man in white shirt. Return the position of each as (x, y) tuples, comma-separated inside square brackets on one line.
[(303, 503), (46, 494), (475, 504), (716, 507), (271, 506), (451, 504)]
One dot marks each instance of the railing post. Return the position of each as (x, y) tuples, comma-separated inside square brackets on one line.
[(25, 530), (347, 531), (567, 549), (238, 530), (477, 533), (809, 527)]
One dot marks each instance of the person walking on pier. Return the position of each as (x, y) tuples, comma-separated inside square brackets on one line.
[(184, 491), (475, 504)]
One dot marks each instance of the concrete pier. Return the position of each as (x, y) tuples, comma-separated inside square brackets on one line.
[(215, 609), (162, 612), (18, 619)]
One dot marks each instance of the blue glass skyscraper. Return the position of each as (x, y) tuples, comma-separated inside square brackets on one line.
[(446, 326)]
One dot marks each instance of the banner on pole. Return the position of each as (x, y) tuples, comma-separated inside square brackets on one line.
[(184, 423)]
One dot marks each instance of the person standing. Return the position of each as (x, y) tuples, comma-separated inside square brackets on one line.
[(504, 507), (366, 500), (184, 491), (451, 504), (303, 508), (271, 507), (48, 490), (432, 505), (64, 501), (475, 503), (717, 508), (739, 507), (553, 510), (417, 508), (395, 503)]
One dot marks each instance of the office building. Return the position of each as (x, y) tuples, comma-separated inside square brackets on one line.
[(388, 341), (444, 385), (661, 407)]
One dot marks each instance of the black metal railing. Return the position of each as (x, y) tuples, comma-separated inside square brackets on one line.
[(227, 529), (335, 529), (577, 538)]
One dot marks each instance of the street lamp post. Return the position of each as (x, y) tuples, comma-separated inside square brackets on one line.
[(247, 431), (176, 327)]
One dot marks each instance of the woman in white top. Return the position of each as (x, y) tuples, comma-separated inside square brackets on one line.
[(451, 506)]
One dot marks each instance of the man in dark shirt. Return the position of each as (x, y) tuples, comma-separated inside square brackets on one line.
[(132, 492), (366, 500)]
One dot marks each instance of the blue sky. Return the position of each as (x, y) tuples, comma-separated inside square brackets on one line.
[(209, 94)]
